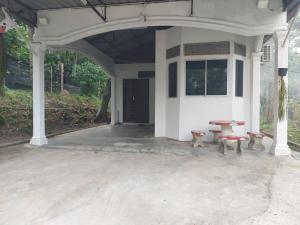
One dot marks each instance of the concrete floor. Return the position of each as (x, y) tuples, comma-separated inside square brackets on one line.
[(123, 176)]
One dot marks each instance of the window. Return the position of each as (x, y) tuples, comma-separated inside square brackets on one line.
[(173, 80), (216, 77), (195, 78), (239, 78), (207, 77)]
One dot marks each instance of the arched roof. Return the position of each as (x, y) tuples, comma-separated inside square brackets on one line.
[(26, 10)]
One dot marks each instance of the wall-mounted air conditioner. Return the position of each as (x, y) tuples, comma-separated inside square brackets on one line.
[(267, 52)]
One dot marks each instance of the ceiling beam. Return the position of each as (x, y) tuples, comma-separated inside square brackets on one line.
[(259, 41)]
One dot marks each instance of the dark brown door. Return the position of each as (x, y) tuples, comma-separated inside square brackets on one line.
[(136, 100)]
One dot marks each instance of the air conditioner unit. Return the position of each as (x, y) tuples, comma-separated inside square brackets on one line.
[(266, 56)]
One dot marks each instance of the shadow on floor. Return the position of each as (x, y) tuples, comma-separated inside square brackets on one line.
[(135, 139)]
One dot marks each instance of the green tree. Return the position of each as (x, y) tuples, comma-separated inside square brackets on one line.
[(91, 78), (17, 42)]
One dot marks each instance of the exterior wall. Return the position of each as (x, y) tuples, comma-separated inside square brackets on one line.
[(130, 71), (241, 106), (197, 111), (185, 113), (160, 83), (173, 104)]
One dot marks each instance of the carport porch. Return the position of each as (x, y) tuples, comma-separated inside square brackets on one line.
[(119, 182), (215, 35), (137, 139)]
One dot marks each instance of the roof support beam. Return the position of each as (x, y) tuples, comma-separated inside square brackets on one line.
[(88, 3), (259, 40), (291, 26)]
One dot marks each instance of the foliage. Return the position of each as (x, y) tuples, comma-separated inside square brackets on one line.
[(90, 77), (70, 110), (294, 74), (68, 59), (282, 99), (67, 111), (78, 71), (15, 109), (17, 42), (2, 66)]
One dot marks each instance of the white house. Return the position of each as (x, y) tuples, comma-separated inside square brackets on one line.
[(176, 64)]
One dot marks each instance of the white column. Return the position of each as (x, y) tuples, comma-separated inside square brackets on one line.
[(38, 54), (113, 100), (160, 83), (280, 146), (255, 91)]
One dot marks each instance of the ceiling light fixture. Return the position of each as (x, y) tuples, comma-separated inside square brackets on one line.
[(263, 4)]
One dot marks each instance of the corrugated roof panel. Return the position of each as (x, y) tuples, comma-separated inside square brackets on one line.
[(56, 4), (50, 4), (28, 8)]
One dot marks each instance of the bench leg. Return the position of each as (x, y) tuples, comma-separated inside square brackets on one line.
[(251, 143), (239, 149), (224, 146), (198, 141), (194, 142), (259, 143), (215, 140), (256, 143)]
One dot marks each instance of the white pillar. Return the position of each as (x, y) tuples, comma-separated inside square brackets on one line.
[(280, 146), (113, 100), (255, 91), (38, 54), (160, 83)]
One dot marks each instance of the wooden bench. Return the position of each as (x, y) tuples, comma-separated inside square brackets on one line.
[(216, 134), (234, 138), (256, 140), (197, 138)]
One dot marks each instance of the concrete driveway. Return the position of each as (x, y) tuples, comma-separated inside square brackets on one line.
[(139, 180)]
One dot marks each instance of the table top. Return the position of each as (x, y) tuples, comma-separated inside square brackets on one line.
[(227, 122)]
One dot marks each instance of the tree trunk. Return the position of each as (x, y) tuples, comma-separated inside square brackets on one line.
[(2, 65), (102, 112)]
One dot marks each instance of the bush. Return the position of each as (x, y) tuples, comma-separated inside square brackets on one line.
[(90, 77), (61, 111)]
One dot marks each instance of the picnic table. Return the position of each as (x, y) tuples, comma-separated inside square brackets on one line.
[(226, 125)]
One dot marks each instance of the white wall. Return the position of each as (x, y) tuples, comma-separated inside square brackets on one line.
[(241, 106), (160, 83), (173, 104), (130, 71), (195, 112)]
